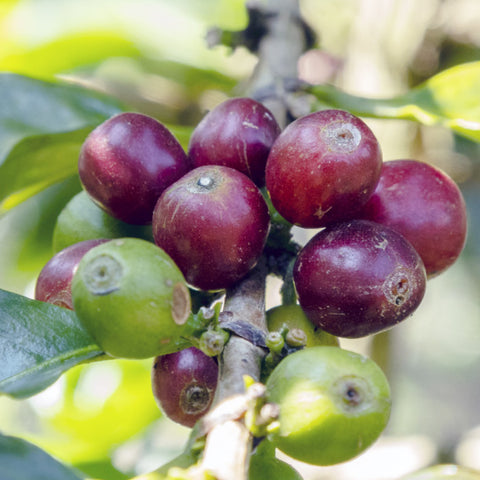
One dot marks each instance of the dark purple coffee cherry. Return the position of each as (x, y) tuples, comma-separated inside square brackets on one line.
[(426, 206), (127, 162), (184, 384), (213, 223), (322, 168), (238, 134), (357, 278), (54, 283)]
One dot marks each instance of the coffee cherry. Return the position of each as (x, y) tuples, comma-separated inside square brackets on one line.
[(357, 278), (81, 219), (213, 222), (54, 283), (333, 404), (238, 134), (127, 162), (131, 298), (264, 465), (323, 167), (289, 317), (184, 384), (425, 205)]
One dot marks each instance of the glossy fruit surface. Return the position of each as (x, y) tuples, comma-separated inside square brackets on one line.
[(333, 404), (127, 162), (238, 133), (426, 206), (54, 283), (292, 316), (213, 222), (323, 167), (81, 219), (356, 278), (131, 298), (184, 384)]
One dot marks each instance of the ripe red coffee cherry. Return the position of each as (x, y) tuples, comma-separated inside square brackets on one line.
[(238, 133), (54, 283), (357, 278), (127, 162), (425, 205), (184, 384), (323, 167), (213, 223)]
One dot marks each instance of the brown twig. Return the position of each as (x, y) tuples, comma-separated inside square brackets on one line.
[(228, 445), (228, 441)]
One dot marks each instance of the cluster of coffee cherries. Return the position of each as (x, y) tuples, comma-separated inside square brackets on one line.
[(155, 225)]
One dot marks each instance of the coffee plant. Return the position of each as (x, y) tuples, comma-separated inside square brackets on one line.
[(166, 237)]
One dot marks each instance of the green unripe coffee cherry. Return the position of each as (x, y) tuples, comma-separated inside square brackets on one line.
[(265, 466), (289, 317), (333, 404), (82, 219), (443, 472), (131, 298)]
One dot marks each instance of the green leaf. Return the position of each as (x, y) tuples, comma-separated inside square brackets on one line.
[(42, 126), (38, 342), (450, 98), (21, 460), (67, 53), (194, 80), (26, 235), (38, 162)]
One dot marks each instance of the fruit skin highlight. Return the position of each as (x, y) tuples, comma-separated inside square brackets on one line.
[(357, 278), (132, 299), (323, 168), (426, 206), (127, 162), (333, 404), (184, 384), (214, 223)]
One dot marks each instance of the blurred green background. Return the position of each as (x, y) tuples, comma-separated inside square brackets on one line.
[(152, 56)]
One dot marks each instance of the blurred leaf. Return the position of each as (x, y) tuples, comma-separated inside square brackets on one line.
[(114, 398), (182, 461), (37, 162), (66, 54), (26, 233), (224, 13), (450, 99), (103, 470), (38, 342), (31, 112), (193, 79), (6, 6), (21, 460), (181, 133)]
